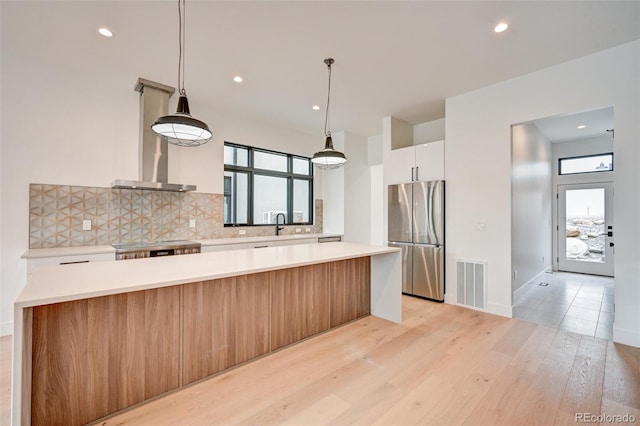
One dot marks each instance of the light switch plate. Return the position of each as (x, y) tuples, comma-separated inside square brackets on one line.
[(481, 226), (192, 223), (307, 229), (298, 230), (242, 231), (86, 225)]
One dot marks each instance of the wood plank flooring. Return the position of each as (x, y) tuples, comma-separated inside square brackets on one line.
[(444, 365), (5, 380)]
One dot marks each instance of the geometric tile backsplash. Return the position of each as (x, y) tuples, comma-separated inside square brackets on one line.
[(56, 213)]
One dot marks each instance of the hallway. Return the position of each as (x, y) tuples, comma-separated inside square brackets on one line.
[(573, 302)]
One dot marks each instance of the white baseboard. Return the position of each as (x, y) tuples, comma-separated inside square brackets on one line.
[(6, 328), (492, 308), (449, 299), (524, 286), (520, 290), (502, 310), (626, 337)]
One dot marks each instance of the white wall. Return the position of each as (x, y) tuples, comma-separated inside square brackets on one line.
[(589, 146), (201, 164), (357, 190), (377, 206), (531, 197), (348, 191), (430, 131), (401, 135), (80, 127), (595, 145), (478, 134), (375, 150), (333, 181)]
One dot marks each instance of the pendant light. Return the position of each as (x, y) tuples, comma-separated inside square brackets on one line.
[(328, 158), (181, 128)]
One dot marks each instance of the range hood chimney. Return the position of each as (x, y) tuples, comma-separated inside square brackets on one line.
[(153, 152)]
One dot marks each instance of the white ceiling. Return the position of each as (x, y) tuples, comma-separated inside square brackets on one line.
[(392, 58), (564, 128)]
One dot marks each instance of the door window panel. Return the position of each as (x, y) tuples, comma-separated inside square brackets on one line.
[(585, 225)]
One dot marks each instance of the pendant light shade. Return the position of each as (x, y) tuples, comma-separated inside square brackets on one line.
[(328, 158), (181, 128)]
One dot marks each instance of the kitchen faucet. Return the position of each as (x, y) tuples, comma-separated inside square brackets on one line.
[(280, 228)]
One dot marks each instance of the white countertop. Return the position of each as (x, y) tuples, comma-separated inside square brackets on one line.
[(61, 283), (66, 251), (88, 250)]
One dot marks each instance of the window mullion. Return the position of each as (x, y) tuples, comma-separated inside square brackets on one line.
[(250, 201), (290, 200)]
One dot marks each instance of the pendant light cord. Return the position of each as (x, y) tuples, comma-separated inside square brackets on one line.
[(181, 46), (327, 117)]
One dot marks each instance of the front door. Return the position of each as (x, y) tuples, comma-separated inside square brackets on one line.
[(585, 228)]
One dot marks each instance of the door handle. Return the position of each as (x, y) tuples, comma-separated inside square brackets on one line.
[(412, 174), (417, 169)]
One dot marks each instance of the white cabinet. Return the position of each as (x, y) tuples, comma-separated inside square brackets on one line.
[(430, 161), (38, 262), (277, 241), (417, 163), (274, 243), (223, 247), (402, 165)]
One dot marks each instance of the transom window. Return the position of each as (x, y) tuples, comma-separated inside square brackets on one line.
[(262, 185), (586, 164)]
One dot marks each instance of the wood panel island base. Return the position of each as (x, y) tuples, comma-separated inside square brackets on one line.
[(93, 339)]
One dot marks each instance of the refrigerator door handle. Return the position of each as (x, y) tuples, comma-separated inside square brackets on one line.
[(412, 174), (417, 169)]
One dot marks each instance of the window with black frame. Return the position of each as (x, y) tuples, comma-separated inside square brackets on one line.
[(259, 184), (592, 163)]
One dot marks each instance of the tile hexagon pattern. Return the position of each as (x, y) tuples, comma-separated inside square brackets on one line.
[(56, 213)]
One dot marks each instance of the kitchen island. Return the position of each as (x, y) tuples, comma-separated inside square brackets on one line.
[(92, 339)]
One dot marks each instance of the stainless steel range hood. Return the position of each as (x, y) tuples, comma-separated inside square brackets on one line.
[(153, 153)]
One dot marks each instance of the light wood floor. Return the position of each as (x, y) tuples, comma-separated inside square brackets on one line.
[(443, 365), (5, 380)]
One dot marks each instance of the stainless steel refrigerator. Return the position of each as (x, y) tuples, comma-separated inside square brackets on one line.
[(416, 225)]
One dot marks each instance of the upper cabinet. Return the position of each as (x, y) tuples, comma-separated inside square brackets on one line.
[(422, 162), (403, 165), (430, 161)]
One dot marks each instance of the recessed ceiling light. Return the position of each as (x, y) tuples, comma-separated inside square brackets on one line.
[(237, 79), (501, 27), (315, 107), (105, 32), (582, 126)]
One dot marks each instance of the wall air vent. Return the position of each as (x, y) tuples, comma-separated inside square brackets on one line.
[(471, 283)]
